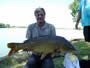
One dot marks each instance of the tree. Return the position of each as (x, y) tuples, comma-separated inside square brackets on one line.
[(73, 7), (7, 25), (4, 25)]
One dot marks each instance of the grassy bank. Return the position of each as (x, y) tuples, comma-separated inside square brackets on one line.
[(18, 60), (83, 52)]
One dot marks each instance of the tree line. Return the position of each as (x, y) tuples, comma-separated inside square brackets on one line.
[(2, 25)]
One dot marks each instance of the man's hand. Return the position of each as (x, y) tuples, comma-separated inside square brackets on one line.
[(76, 25)]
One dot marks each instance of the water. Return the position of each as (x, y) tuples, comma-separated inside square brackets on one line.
[(70, 34), (18, 35), (10, 35)]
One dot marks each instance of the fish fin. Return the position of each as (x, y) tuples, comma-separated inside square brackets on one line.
[(10, 52)]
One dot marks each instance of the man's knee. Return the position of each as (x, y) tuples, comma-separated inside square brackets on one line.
[(48, 60), (48, 63)]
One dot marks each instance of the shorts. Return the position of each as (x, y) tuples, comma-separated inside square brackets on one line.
[(86, 33)]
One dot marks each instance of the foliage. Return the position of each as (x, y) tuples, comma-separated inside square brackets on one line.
[(73, 7), (4, 25)]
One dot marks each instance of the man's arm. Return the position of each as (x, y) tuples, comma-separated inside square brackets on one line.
[(78, 19)]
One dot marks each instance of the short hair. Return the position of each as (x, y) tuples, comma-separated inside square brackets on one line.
[(38, 9)]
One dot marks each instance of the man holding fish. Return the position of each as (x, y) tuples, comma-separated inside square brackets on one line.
[(43, 42), (38, 30)]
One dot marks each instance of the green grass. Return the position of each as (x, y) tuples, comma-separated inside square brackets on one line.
[(83, 52), (83, 49), (58, 62)]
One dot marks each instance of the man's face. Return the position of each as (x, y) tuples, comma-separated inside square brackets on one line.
[(40, 17)]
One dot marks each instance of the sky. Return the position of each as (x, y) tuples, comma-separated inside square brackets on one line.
[(21, 12)]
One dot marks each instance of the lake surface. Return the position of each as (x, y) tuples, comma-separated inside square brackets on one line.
[(19, 35)]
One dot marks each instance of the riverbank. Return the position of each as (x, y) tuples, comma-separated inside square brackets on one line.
[(17, 60)]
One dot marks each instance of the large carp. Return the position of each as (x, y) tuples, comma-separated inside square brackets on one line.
[(44, 46)]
